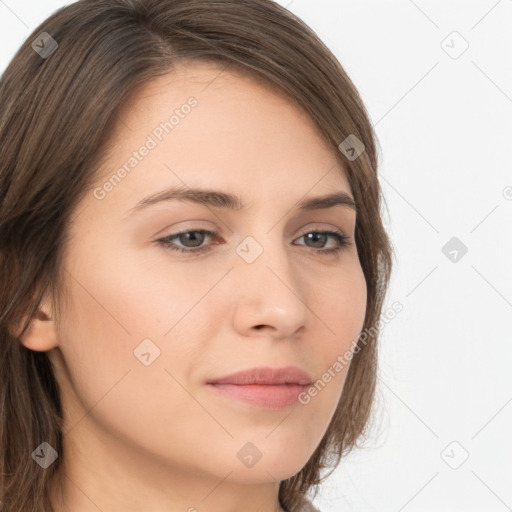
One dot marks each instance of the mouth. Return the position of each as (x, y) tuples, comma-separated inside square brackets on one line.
[(275, 396), (264, 387)]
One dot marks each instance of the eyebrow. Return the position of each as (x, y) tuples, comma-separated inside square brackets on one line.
[(224, 200)]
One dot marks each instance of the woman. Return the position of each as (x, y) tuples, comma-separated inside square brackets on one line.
[(192, 257)]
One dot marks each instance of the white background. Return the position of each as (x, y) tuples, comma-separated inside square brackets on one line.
[(444, 125)]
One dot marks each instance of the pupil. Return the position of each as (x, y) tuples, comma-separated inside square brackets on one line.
[(316, 235), (192, 237)]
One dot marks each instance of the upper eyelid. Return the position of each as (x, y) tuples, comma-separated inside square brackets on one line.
[(214, 233)]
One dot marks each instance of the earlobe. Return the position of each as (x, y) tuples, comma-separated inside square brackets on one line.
[(41, 334)]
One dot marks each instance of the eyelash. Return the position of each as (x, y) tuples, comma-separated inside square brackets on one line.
[(342, 240)]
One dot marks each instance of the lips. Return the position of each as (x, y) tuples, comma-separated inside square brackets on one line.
[(263, 387), (265, 375)]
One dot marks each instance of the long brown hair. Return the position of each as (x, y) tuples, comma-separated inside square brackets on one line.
[(58, 105)]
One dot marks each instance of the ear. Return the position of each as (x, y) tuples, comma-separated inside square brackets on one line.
[(41, 334)]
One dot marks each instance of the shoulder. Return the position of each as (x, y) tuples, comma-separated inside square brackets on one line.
[(305, 506)]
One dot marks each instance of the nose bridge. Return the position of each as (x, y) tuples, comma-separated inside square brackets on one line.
[(270, 291)]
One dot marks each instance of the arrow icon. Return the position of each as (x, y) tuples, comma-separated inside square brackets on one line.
[(454, 249), (249, 455), (146, 352), (44, 455)]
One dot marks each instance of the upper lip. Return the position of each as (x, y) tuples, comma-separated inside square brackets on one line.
[(266, 375)]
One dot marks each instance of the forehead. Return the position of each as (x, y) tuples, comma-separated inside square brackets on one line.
[(209, 79), (242, 132)]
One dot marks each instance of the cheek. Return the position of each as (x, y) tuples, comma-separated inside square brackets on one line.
[(354, 303), (341, 311), (342, 305), (109, 314), (130, 296), (115, 306)]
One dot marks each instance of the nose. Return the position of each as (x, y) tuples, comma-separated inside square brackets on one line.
[(270, 299)]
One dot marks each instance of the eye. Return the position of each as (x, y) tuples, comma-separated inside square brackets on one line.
[(184, 237), (320, 237), (192, 243)]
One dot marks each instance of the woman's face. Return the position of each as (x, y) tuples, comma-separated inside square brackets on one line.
[(147, 327)]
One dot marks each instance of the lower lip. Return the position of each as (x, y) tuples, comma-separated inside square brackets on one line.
[(263, 395)]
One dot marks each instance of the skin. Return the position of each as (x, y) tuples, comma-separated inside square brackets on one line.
[(155, 437)]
